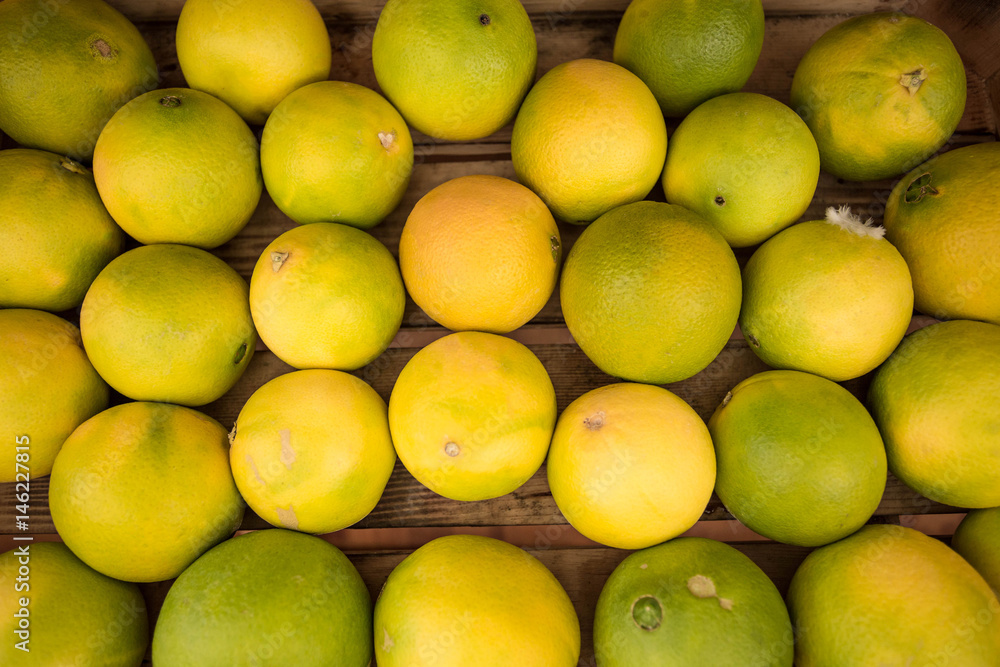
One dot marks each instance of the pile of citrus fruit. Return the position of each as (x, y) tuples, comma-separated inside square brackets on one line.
[(118, 323)]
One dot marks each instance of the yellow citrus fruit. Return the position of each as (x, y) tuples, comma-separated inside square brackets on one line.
[(47, 389), (942, 217), (466, 600), (691, 601), (935, 403), (745, 162), (977, 539), (139, 491), (800, 459), (178, 166), (65, 68), (472, 415), (327, 296), (58, 234), (881, 93), (651, 292), (251, 55), (336, 152), (75, 616), (830, 297), (456, 70), (480, 252), (688, 52), (311, 450), (631, 465), (889, 595), (589, 137), (168, 323)]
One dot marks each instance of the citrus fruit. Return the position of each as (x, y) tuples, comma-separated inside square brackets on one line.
[(456, 70), (830, 297), (471, 600), (61, 612), (651, 292), (58, 234), (889, 595), (934, 401), (688, 52), (745, 162), (631, 465), (326, 296), (270, 597), (142, 489), (589, 137), (472, 414), (47, 389), (65, 68), (881, 93), (480, 252), (251, 55), (800, 459), (336, 152), (691, 601), (168, 323), (311, 450), (942, 217), (977, 539), (178, 166)]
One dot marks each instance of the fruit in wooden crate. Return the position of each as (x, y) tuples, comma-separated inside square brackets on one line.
[(466, 600), (631, 465), (944, 216), (480, 253), (977, 539), (271, 597), (830, 297), (139, 491), (456, 70), (881, 93), (799, 458), (472, 414), (889, 595), (311, 450), (65, 68), (935, 402), (691, 601)]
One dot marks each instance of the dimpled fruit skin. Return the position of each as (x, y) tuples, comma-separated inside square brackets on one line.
[(270, 597), (487, 395), (867, 124), (692, 630), (57, 86), (311, 450), (48, 389), (935, 403), (889, 595), (78, 616), (589, 137), (465, 600), (688, 52), (800, 459), (168, 323), (178, 166), (949, 234), (631, 465), (453, 74), (651, 292), (327, 296), (251, 55), (54, 223), (977, 539), (480, 253), (139, 491), (824, 300)]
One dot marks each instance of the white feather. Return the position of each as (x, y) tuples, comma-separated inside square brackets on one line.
[(843, 218)]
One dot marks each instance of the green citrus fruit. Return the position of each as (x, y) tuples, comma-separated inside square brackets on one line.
[(977, 539)]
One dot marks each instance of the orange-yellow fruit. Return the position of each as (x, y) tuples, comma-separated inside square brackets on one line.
[(977, 538)]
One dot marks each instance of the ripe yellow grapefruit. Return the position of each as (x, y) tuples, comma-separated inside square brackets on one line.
[(977, 539)]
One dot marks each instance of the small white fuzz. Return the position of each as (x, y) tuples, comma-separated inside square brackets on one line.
[(843, 218)]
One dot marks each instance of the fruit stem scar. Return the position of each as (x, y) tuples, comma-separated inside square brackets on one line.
[(720, 200), (278, 260), (556, 246), (912, 80), (170, 101), (240, 353), (69, 164), (647, 613), (387, 139), (452, 450), (753, 340), (918, 188), (595, 421), (484, 19)]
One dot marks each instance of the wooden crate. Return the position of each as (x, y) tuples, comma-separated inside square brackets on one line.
[(408, 514)]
